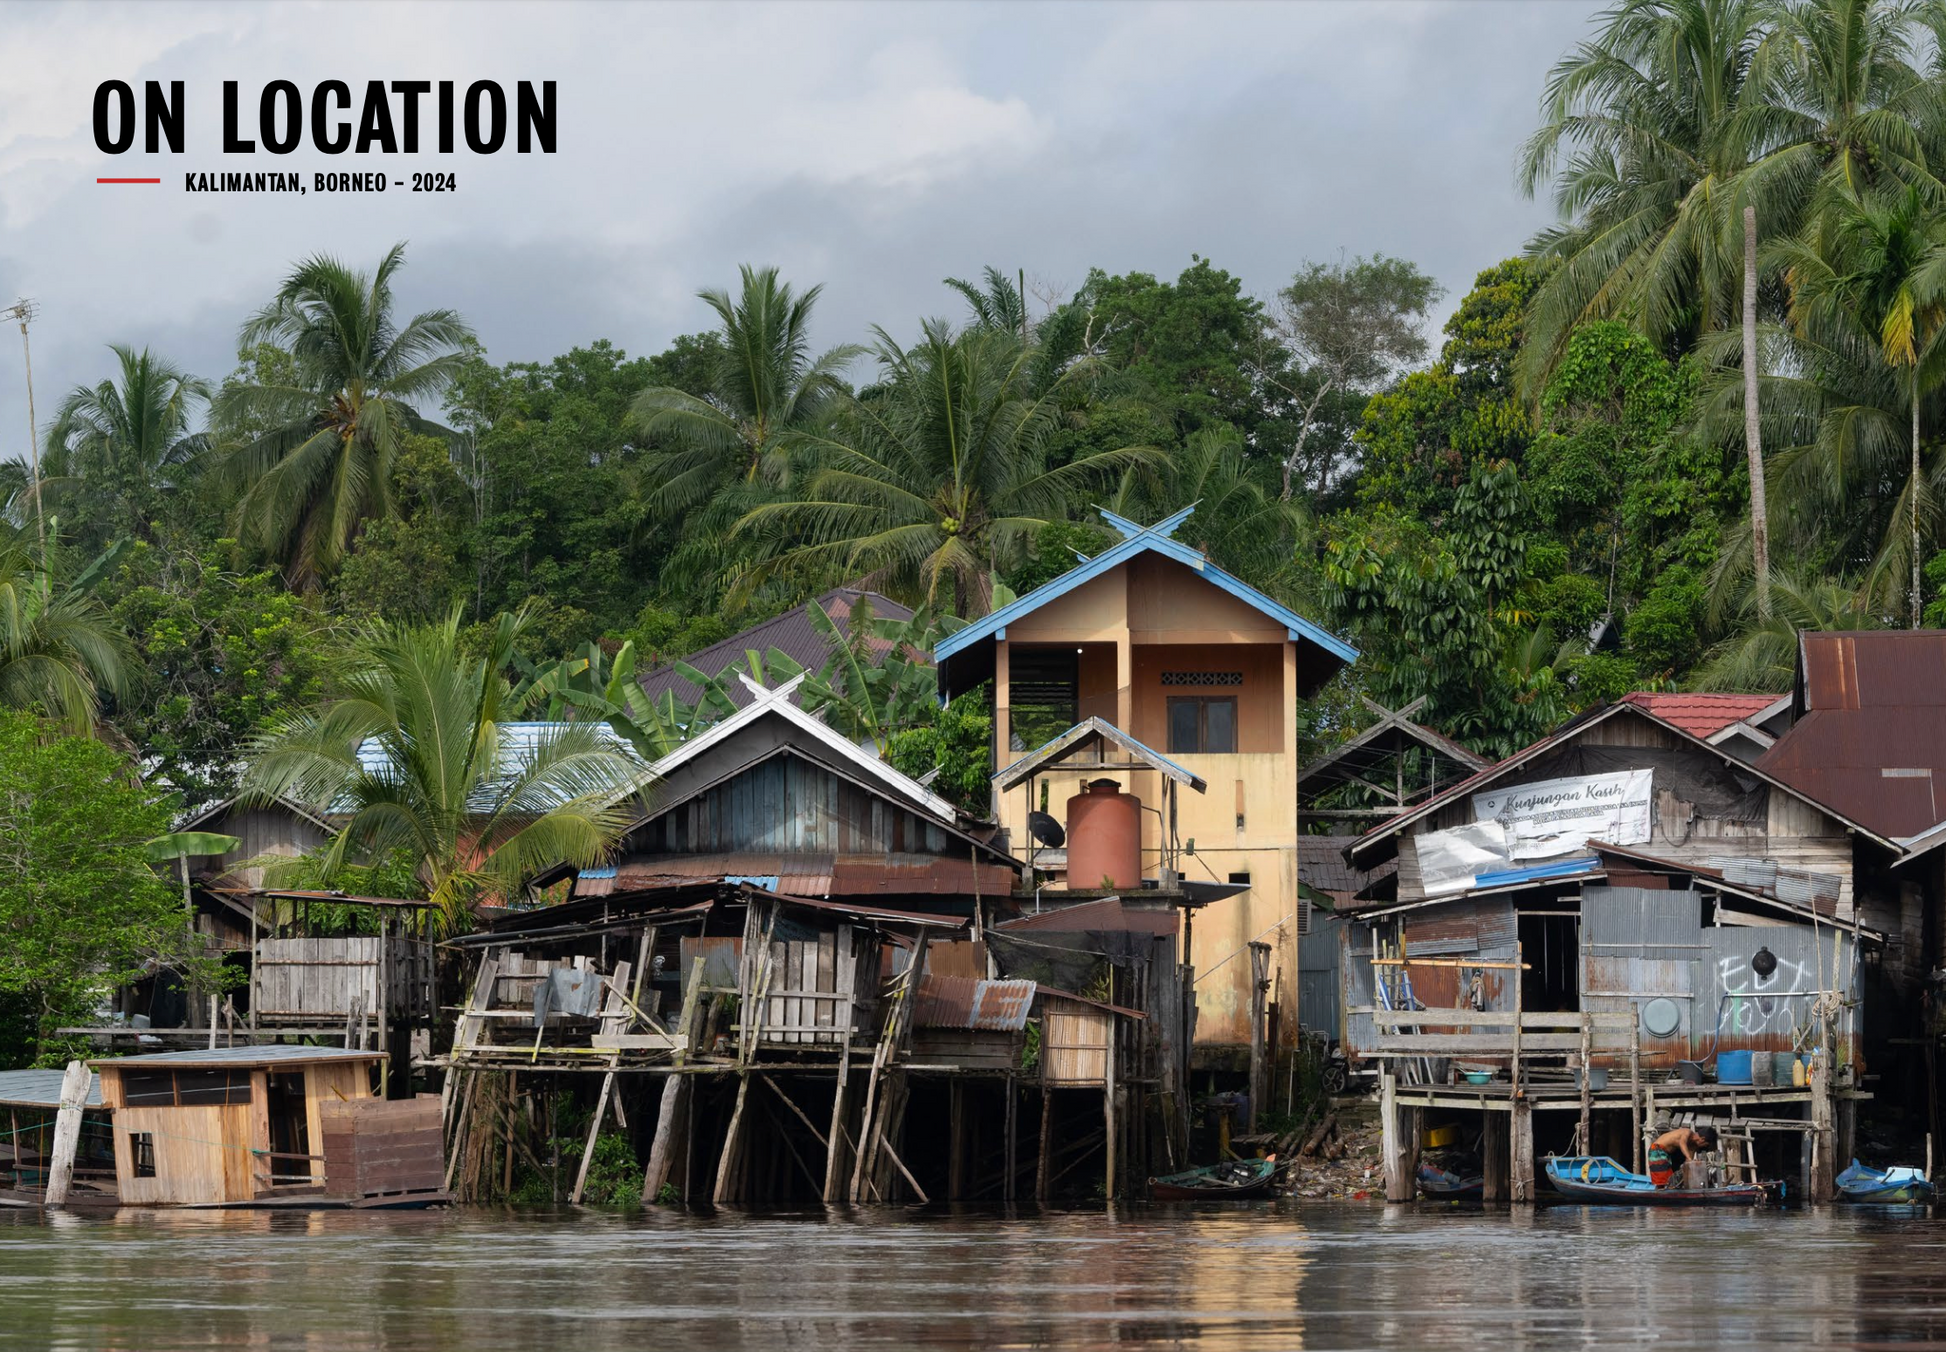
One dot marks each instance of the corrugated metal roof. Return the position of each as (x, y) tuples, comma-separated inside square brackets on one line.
[(1700, 715), (1321, 863), (1870, 738), (41, 1088), (791, 633), (964, 1002), (269, 1054), (1108, 914)]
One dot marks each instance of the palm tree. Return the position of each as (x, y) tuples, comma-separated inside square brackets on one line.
[(1633, 135), (1681, 112), (356, 381), (413, 754), (766, 389), (116, 447), (1240, 522), (939, 476), (60, 651), (1866, 306), (1760, 653), (997, 302)]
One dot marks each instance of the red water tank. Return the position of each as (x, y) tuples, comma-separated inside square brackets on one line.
[(1104, 837)]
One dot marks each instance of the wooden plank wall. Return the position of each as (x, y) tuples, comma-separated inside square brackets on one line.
[(202, 1155), (1074, 1044)]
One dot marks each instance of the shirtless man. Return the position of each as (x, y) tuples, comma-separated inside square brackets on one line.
[(1683, 1142)]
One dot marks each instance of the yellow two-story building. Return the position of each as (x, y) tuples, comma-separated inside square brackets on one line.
[(1201, 670)]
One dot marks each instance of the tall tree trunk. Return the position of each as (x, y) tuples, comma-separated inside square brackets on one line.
[(1916, 597), (1752, 437)]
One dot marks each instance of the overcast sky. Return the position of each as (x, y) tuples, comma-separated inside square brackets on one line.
[(876, 148)]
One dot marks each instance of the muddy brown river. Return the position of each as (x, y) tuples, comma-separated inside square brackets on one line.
[(1280, 1276)]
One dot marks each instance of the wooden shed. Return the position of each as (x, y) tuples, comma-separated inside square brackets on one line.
[(231, 1125)]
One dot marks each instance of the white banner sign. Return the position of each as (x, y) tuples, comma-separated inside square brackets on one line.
[(1559, 816), (1449, 861)]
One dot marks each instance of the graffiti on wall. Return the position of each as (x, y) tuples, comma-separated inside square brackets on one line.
[(1755, 1005)]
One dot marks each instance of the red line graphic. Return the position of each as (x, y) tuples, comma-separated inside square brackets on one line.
[(128, 180)]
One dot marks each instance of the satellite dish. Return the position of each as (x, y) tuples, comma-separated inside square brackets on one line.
[(1764, 962), (1043, 828)]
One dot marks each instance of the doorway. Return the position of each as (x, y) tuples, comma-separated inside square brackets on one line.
[(1550, 945), (290, 1131)]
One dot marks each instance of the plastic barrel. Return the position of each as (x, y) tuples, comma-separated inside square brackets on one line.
[(1786, 1063), (1733, 1067), (1762, 1070)]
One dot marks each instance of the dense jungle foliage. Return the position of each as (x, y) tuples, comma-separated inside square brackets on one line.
[(1542, 505)]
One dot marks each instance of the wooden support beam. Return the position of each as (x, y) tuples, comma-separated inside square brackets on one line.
[(67, 1131), (726, 1189), (1496, 1163), (1824, 1137), (1398, 1186), (1007, 1189), (777, 1089), (1041, 1178), (1587, 1146), (835, 1157), (1259, 988), (669, 1123), (1635, 1091), (1522, 1154), (594, 1135)]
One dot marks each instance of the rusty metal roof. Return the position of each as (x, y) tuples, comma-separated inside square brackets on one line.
[(1870, 738), (807, 875), (964, 1002), (1108, 914)]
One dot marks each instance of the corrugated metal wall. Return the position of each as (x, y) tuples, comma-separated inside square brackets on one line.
[(1320, 968), (1640, 944)]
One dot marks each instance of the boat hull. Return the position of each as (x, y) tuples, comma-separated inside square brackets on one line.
[(1884, 1187), (1200, 1185), (1599, 1181)]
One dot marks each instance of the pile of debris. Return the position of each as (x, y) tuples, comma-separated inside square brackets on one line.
[(1337, 1158)]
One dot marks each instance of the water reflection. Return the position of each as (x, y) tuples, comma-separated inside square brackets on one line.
[(1317, 1277)]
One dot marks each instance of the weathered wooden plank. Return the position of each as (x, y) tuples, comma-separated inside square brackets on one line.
[(1470, 1044)]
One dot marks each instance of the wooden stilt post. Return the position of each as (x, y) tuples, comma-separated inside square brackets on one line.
[(1495, 1163), (594, 1135), (732, 1156), (1522, 1131), (1259, 1072), (1041, 1178), (836, 1156), (1824, 1140), (669, 1122), (1007, 1187), (1587, 1145), (1109, 1114), (956, 1140), (67, 1131), (1398, 1185), (1635, 1088)]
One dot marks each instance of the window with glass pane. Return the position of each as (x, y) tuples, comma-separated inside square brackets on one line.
[(1202, 726)]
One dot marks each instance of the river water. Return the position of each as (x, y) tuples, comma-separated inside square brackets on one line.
[(1284, 1275)]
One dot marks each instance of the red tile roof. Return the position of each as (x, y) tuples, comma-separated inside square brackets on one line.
[(1700, 715)]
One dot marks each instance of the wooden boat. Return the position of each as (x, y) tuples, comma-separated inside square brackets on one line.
[(1446, 1186), (1898, 1186), (1598, 1179), (1232, 1181)]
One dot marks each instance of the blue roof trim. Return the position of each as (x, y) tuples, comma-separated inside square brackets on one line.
[(1560, 868), (1146, 540)]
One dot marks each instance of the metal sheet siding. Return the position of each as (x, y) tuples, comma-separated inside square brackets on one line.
[(1638, 944), (965, 1003)]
